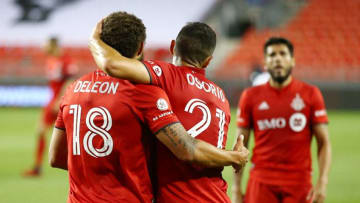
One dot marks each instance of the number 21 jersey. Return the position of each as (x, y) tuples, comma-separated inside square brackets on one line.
[(204, 111)]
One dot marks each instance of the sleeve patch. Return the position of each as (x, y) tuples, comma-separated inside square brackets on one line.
[(162, 105), (157, 70), (156, 117), (319, 113)]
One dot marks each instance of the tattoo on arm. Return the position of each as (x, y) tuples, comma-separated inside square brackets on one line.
[(178, 137)]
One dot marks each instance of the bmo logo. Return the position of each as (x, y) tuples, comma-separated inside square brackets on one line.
[(272, 123), (297, 123)]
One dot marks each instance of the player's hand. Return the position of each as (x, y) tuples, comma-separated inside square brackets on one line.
[(97, 47), (94, 45), (243, 155), (318, 193), (237, 195), (97, 30)]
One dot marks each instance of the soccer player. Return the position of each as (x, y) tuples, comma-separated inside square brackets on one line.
[(284, 114), (58, 69), (199, 103), (100, 134)]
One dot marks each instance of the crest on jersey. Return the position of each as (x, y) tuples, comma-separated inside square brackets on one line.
[(162, 104), (297, 122), (263, 106), (157, 70), (297, 103)]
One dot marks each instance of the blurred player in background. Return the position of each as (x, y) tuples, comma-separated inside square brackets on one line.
[(58, 70), (198, 102), (284, 114), (100, 134)]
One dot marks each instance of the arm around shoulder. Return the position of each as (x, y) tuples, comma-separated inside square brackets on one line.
[(189, 149), (113, 63)]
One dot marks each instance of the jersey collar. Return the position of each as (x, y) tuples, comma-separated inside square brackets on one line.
[(289, 86), (200, 71)]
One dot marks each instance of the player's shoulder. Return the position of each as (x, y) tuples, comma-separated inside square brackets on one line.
[(99, 80), (161, 64), (148, 91), (159, 67), (305, 87), (81, 78), (143, 95), (254, 90), (148, 88)]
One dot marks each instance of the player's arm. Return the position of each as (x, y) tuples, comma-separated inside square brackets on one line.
[(321, 133), (189, 149), (237, 194), (58, 149), (113, 63)]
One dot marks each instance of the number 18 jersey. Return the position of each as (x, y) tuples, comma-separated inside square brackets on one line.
[(108, 142), (204, 111)]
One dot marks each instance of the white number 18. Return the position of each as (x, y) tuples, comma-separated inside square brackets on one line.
[(94, 130)]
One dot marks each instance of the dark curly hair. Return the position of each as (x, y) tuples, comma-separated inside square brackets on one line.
[(195, 42), (279, 40), (124, 32)]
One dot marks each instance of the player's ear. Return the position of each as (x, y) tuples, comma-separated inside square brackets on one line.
[(293, 62), (265, 65), (172, 47), (206, 62)]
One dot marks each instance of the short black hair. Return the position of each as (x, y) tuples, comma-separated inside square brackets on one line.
[(279, 40), (124, 32), (195, 42)]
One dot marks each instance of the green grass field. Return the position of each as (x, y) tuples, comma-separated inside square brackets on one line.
[(17, 141)]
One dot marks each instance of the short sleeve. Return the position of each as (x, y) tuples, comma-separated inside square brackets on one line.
[(159, 72), (318, 111), (154, 107), (59, 123), (243, 115)]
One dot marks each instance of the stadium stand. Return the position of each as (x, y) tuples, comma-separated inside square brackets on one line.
[(326, 35), (22, 73), (29, 62), (25, 65)]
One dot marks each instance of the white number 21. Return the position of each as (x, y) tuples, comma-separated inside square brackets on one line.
[(205, 121)]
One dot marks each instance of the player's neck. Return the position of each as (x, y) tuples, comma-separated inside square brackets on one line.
[(278, 85), (184, 63), (178, 61)]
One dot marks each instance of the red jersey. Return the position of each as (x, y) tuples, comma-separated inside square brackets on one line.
[(58, 69), (282, 121), (204, 111), (107, 140)]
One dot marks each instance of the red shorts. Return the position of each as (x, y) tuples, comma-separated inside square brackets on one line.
[(48, 115), (257, 192)]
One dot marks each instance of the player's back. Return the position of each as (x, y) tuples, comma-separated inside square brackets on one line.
[(106, 158), (204, 111)]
